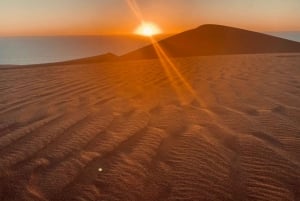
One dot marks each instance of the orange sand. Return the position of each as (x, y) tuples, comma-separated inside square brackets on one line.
[(125, 131)]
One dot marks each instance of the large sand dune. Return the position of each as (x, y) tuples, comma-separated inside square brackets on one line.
[(127, 132), (213, 39), (205, 40)]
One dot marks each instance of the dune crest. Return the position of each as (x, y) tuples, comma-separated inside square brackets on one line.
[(213, 39), (205, 40)]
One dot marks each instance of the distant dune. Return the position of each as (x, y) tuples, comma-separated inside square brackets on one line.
[(217, 40), (88, 60), (202, 41), (126, 131), (37, 50)]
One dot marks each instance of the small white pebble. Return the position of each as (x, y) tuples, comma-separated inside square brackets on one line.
[(100, 169)]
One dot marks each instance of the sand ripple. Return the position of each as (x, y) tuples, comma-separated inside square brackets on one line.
[(121, 131)]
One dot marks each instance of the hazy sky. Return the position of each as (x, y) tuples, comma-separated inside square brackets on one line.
[(92, 17)]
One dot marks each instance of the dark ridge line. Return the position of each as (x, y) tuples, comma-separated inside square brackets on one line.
[(70, 92), (211, 39), (33, 131), (27, 101), (53, 141), (223, 40), (288, 56)]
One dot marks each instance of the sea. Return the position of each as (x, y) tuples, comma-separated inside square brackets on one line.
[(36, 50), (46, 49)]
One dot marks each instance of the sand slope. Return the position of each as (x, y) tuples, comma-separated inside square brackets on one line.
[(236, 138), (211, 39)]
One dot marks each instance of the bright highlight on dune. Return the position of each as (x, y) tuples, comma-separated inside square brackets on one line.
[(148, 29)]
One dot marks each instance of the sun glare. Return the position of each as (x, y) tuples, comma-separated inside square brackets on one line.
[(148, 29)]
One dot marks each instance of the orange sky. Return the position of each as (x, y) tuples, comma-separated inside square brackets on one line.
[(97, 17)]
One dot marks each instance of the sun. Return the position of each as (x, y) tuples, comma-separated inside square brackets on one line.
[(148, 29)]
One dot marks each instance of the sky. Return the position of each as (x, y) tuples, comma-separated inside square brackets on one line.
[(103, 17)]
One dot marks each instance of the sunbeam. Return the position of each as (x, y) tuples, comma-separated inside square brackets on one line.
[(170, 68)]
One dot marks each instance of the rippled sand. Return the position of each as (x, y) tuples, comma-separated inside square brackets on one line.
[(126, 131)]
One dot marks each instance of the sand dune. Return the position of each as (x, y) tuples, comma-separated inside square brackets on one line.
[(124, 131), (211, 39), (205, 40), (88, 60)]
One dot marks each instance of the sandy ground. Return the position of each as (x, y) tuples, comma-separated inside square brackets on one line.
[(126, 131)]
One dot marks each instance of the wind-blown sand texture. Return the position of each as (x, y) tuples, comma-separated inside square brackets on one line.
[(125, 131)]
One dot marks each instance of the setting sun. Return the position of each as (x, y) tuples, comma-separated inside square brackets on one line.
[(148, 29)]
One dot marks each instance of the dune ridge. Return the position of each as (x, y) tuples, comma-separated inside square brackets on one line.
[(212, 39), (205, 40)]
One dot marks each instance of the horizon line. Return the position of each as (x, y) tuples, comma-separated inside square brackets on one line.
[(133, 34)]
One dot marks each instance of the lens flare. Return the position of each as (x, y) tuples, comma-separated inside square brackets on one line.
[(172, 73), (147, 29)]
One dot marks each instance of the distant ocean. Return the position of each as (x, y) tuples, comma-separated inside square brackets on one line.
[(34, 50), (291, 35)]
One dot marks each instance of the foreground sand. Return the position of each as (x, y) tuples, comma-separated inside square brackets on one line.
[(124, 131)]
